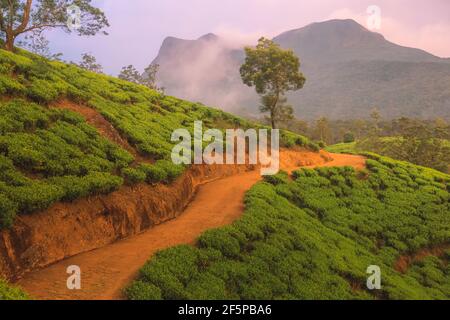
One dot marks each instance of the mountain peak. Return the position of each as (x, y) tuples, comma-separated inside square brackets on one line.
[(346, 40), (209, 37)]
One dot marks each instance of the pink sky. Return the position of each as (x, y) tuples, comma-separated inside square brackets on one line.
[(138, 27)]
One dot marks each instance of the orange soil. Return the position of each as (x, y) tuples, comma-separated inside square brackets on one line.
[(404, 262), (106, 271)]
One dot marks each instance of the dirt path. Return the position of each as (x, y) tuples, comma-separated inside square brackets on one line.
[(105, 271)]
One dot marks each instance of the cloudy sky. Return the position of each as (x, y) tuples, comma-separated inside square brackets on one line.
[(138, 27)]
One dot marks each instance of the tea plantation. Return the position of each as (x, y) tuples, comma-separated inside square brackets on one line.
[(314, 236), (49, 155)]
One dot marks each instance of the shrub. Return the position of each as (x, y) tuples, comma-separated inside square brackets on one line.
[(7, 212), (141, 290), (154, 174), (280, 178), (11, 293), (349, 137), (42, 91), (172, 170), (134, 176)]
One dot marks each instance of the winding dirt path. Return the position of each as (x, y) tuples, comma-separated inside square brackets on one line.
[(105, 271)]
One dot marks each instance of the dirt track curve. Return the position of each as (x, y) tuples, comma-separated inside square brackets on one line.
[(106, 271)]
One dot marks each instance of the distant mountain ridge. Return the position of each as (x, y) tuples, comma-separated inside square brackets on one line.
[(349, 71)]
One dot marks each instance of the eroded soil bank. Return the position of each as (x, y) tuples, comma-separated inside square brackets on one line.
[(67, 229), (404, 262), (109, 269)]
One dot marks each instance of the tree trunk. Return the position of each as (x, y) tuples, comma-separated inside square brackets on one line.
[(9, 44), (273, 110), (272, 119)]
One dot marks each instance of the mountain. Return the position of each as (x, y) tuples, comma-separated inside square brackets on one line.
[(349, 70)]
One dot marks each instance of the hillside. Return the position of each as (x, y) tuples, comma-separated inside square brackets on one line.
[(314, 237), (358, 69), (73, 142), (49, 153), (216, 203), (431, 153)]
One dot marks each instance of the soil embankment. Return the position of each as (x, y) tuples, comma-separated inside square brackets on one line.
[(67, 229), (107, 270)]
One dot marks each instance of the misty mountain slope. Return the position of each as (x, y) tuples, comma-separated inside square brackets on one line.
[(206, 70), (349, 71), (346, 40)]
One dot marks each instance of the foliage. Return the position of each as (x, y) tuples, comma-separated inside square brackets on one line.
[(349, 137), (314, 237), (11, 293), (272, 71), (148, 78), (89, 62), (21, 17)]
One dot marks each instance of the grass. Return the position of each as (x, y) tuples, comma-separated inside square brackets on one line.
[(314, 238)]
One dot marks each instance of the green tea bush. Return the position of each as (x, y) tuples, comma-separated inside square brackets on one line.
[(143, 291), (133, 175), (11, 293), (314, 236), (8, 210), (154, 174)]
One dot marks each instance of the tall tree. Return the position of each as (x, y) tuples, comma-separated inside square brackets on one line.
[(19, 17), (281, 113), (323, 132), (149, 76), (272, 71)]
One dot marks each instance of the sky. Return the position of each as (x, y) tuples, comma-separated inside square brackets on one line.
[(138, 27)]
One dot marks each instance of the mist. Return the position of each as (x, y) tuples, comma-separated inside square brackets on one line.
[(207, 71)]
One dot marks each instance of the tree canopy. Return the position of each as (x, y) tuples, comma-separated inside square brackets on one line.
[(272, 71), (19, 17)]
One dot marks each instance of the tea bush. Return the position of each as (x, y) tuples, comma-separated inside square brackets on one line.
[(11, 293), (313, 237)]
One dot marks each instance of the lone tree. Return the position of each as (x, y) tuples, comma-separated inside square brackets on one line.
[(272, 71), (19, 17)]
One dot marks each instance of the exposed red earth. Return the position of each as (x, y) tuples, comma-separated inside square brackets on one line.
[(107, 270)]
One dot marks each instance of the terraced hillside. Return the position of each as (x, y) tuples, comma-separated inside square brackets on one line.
[(67, 134), (48, 152), (315, 236)]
